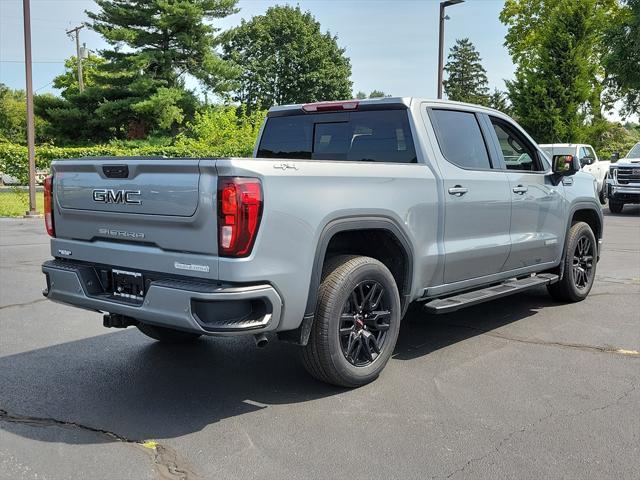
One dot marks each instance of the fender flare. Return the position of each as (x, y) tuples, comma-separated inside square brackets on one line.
[(352, 223), (586, 205), (572, 210)]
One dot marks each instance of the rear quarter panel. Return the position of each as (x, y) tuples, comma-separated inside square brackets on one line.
[(302, 198)]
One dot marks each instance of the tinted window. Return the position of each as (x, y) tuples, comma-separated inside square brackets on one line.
[(460, 138), (551, 150), (375, 136), (582, 153), (635, 151), (518, 153)]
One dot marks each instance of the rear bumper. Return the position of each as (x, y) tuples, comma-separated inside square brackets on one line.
[(204, 308)]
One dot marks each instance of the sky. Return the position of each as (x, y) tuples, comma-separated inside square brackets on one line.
[(392, 44)]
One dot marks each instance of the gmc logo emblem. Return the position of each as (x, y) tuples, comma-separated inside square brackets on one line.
[(108, 195)]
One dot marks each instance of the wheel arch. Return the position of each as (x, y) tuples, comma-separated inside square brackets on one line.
[(588, 213), (342, 228)]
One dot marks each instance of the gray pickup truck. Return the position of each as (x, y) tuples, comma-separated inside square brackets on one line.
[(349, 212)]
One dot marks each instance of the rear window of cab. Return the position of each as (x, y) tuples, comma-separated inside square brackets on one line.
[(366, 136)]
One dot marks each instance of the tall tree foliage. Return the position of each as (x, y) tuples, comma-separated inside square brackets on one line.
[(165, 38), (137, 86), (286, 58), (622, 57), (557, 46), (500, 101), (466, 77), (13, 117)]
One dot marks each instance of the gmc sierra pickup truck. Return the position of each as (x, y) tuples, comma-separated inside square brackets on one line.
[(349, 212)]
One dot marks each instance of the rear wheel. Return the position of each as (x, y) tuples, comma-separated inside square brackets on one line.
[(581, 253), (356, 322), (167, 335), (615, 207)]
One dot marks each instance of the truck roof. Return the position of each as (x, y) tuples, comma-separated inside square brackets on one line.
[(565, 145), (390, 102)]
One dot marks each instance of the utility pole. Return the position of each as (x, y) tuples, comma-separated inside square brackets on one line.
[(26, 11), (443, 17), (76, 33)]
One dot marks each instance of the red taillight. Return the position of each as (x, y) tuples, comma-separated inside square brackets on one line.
[(48, 205), (239, 214), (330, 106)]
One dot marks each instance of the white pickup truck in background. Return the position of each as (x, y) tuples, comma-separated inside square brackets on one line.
[(587, 158)]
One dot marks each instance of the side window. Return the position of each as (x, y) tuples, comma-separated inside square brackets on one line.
[(518, 153), (460, 139), (591, 153), (582, 153)]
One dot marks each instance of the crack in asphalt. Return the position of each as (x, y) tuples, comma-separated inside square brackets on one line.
[(167, 463), (25, 304), (496, 448), (551, 343)]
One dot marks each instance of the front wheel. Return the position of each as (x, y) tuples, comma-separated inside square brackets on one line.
[(167, 335), (580, 259), (356, 324)]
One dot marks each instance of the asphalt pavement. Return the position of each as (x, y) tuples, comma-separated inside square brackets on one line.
[(522, 387)]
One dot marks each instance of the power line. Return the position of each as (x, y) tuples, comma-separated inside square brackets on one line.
[(35, 61)]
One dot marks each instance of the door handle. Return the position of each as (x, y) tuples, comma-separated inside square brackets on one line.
[(458, 190), (520, 189)]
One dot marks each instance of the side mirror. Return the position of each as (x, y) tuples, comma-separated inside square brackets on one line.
[(615, 156), (564, 165), (586, 160)]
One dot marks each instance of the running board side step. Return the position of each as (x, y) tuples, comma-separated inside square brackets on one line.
[(456, 302)]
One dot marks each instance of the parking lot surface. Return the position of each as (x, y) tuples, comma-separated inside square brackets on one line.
[(521, 387)]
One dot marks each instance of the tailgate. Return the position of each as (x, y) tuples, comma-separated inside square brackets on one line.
[(160, 202)]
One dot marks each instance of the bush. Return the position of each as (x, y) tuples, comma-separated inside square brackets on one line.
[(228, 130), (218, 132)]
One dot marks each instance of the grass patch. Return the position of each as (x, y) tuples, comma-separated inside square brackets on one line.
[(15, 203)]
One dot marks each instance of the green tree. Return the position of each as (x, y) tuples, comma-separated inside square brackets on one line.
[(285, 58), (466, 77), (361, 95), (500, 101), (557, 46), (13, 117), (68, 81), (166, 39), (622, 58), (137, 85), (377, 94)]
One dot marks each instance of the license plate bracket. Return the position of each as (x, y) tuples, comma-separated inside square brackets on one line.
[(127, 284)]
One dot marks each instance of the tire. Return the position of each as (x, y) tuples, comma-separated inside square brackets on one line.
[(579, 265), (615, 207), (603, 191), (167, 335), (344, 338)]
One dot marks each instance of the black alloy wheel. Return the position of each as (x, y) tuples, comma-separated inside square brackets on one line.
[(578, 268), (364, 323), (583, 257)]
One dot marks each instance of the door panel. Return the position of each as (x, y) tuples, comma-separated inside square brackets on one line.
[(537, 217), (477, 198), (537, 220), (476, 231)]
